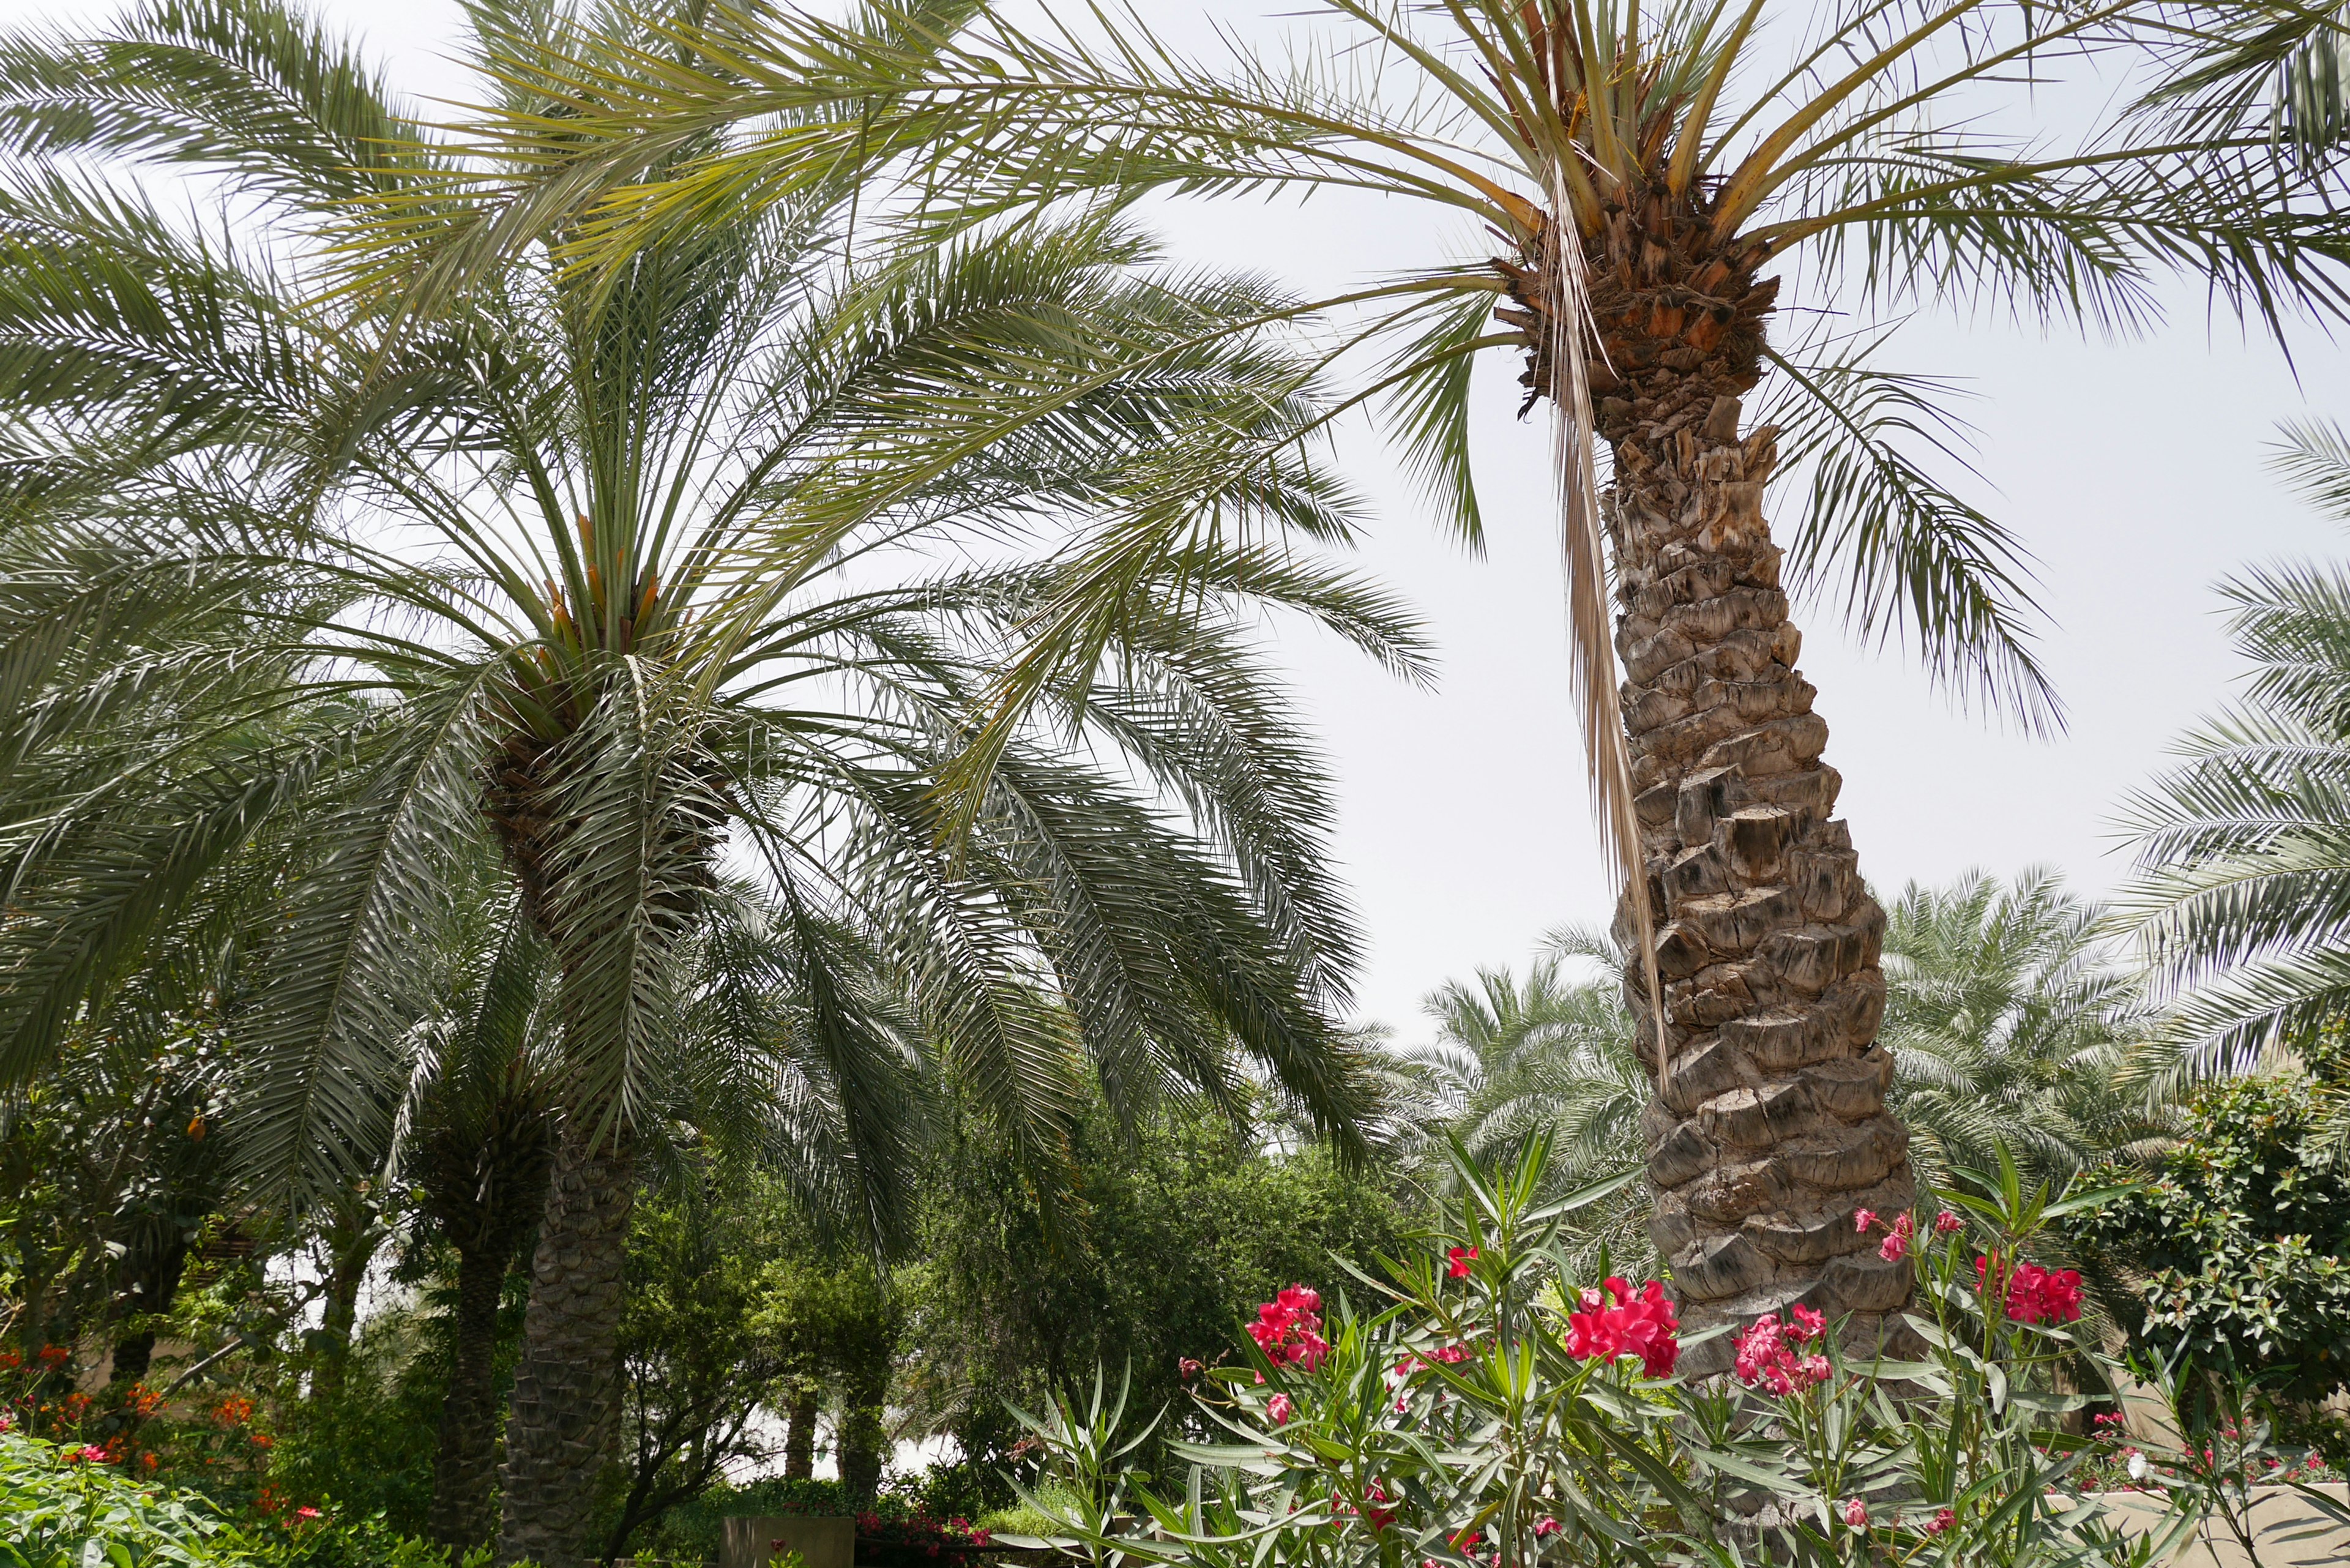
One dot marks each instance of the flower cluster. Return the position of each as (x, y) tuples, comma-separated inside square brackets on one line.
[(1895, 1245), (2036, 1295), (1642, 1325), (1288, 1329), (1376, 1509), (890, 1540), (1770, 1354)]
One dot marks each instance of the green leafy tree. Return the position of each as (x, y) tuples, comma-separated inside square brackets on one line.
[(2232, 1258), (1657, 176), (1185, 1225), (634, 574)]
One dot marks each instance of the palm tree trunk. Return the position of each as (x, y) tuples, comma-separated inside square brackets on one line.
[(464, 1503), (1771, 1128), (566, 1399), (799, 1438)]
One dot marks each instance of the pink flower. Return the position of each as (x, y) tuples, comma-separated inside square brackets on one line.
[(1862, 1219), (1450, 1354), (1806, 1324), (1644, 1325), (1457, 1262), (1289, 1331), (1545, 1526), (307, 1513), (1941, 1522), (1855, 1514), (1279, 1410), (1897, 1241), (1766, 1356), (1944, 1224), (1187, 1367)]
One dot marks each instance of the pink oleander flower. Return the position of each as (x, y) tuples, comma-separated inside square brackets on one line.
[(1288, 1329), (1944, 1224), (307, 1512), (1805, 1323), (1545, 1526), (1457, 1262), (1942, 1522), (1766, 1356), (1862, 1218), (1855, 1514), (1279, 1410), (1644, 1325), (1450, 1354), (1186, 1367), (1897, 1241)]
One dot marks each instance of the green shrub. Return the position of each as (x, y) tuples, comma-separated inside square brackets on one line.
[(64, 1508)]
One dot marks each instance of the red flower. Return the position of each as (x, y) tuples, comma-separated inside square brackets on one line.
[(1805, 1323), (1855, 1514), (54, 1356), (1944, 1224), (2036, 1295), (1862, 1219), (1457, 1262), (1897, 1241), (1450, 1354), (1941, 1522), (307, 1512), (1187, 1367), (1642, 1325), (1279, 1410), (1289, 1331)]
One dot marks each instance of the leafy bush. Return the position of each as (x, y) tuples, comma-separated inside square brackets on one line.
[(1495, 1409), (2235, 1251), (66, 1507)]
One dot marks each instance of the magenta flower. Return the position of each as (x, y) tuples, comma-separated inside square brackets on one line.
[(1944, 1224), (1942, 1522), (1457, 1262), (1279, 1410), (1862, 1219), (1855, 1514)]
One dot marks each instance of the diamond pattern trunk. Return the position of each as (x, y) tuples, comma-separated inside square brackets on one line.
[(565, 1419), (1771, 1128)]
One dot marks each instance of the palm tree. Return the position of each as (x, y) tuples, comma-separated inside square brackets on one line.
[(1551, 1055), (1644, 167), (634, 573), (2012, 1028), (2242, 898)]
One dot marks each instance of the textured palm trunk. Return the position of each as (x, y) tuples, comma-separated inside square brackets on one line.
[(565, 1417), (464, 1501), (1770, 1128), (799, 1438)]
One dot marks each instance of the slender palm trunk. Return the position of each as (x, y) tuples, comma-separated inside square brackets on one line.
[(464, 1502), (1771, 1128), (565, 1417), (799, 1438)]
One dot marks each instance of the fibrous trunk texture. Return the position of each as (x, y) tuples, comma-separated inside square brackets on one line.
[(464, 1502), (565, 1417), (1771, 1128), (799, 1438)]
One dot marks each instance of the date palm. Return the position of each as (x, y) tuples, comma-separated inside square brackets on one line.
[(2013, 1027), (1656, 175), (638, 574), (2243, 900)]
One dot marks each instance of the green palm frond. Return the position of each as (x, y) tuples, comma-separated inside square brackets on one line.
[(2243, 900)]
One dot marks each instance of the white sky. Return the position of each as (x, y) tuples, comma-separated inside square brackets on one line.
[(2133, 471)]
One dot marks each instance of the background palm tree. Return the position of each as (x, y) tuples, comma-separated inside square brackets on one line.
[(2242, 900), (634, 574), (1645, 167), (2013, 1026)]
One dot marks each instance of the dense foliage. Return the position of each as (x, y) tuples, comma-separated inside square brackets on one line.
[(2235, 1251)]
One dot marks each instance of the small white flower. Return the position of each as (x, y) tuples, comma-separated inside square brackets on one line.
[(2138, 1467)]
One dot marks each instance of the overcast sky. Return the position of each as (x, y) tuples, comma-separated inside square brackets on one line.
[(2134, 471)]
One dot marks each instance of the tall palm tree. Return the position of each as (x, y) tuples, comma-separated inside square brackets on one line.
[(2012, 1026), (2242, 897), (637, 572), (1644, 167)]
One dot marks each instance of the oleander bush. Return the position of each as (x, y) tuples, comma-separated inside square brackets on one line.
[(1478, 1404)]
